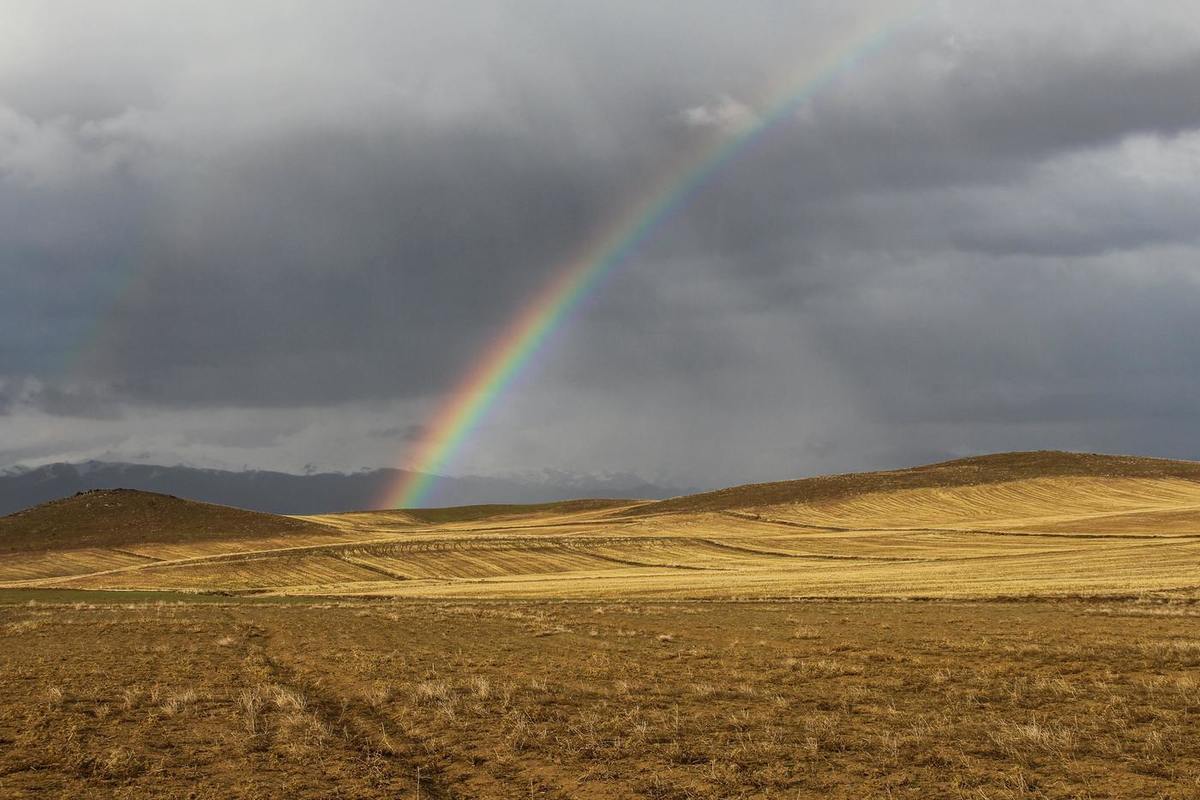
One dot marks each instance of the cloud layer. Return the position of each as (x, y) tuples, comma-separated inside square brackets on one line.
[(241, 234)]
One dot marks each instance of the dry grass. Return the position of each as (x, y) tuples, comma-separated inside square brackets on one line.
[(708, 700), (110, 518), (600, 650), (1072, 529)]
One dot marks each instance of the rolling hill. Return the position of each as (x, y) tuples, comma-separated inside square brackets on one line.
[(975, 471), (118, 517), (1006, 525)]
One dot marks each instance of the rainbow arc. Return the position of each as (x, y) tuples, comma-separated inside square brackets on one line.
[(513, 350)]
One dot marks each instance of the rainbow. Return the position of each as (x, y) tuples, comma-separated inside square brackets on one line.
[(609, 247)]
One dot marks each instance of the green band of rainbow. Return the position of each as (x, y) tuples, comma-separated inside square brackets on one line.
[(509, 354)]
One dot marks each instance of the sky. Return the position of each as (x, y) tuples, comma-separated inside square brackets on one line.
[(276, 235)]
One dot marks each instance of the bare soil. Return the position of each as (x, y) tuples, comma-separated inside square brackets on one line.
[(403, 699)]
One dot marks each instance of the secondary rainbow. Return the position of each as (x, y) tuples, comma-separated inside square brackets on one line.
[(547, 311)]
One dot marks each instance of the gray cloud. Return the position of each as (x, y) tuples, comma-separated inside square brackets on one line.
[(403, 433), (71, 401), (252, 235)]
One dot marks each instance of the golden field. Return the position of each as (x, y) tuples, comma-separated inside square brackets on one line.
[(1059, 526), (1015, 626)]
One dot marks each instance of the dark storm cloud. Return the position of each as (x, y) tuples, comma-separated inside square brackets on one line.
[(405, 433), (990, 118), (333, 273), (1010, 342), (57, 399), (71, 401), (326, 216)]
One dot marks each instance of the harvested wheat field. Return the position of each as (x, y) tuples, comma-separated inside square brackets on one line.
[(1014, 626), (1006, 526)]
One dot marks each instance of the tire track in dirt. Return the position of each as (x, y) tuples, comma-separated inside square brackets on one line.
[(375, 740), (373, 733)]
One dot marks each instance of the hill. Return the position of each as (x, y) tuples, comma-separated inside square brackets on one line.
[(1042, 524), (119, 517), (317, 493), (974, 471)]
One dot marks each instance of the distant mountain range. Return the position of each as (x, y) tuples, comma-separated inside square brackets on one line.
[(284, 493)]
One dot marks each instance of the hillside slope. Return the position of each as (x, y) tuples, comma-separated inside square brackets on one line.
[(118, 517), (1012, 525), (974, 471)]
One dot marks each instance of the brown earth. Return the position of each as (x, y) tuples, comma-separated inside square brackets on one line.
[(1014, 626), (397, 699), (116, 517)]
